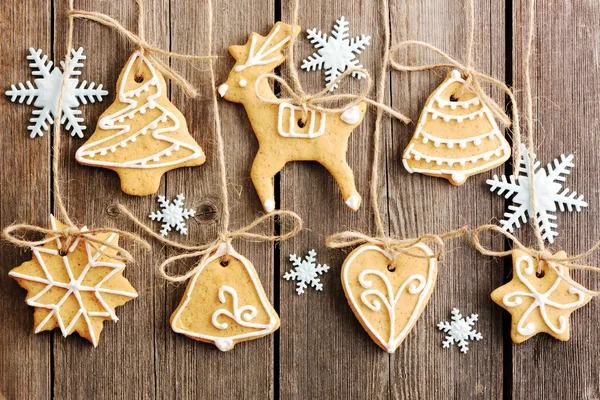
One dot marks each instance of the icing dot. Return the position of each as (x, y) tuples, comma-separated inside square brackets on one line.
[(124, 144), (153, 125), (498, 152), (155, 159), (121, 119), (465, 105), (143, 162), (418, 158), (243, 83), (458, 177), (434, 116), (486, 157), (476, 102), (152, 105), (446, 119), (453, 106), (436, 144), (477, 142), (439, 162), (462, 145), (164, 119), (103, 153), (425, 140), (113, 149), (133, 139), (92, 155), (168, 153), (473, 161), (450, 145), (176, 147), (143, 110)]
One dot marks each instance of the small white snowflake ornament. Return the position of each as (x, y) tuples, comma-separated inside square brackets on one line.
[(306, 272), (173, 215), (336, 53), (46, 91), (548, 193), (460, 331)]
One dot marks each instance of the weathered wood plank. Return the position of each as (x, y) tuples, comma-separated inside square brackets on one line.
[(191, 369), (419, 204), (25, 364), (324, 352), (123, 363), (565, 78)]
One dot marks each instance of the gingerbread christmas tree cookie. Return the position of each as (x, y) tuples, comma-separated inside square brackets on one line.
[(456, 137), (141, 135), (539, 302), (75, 289)]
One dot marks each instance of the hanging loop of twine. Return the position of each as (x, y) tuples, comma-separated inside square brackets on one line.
[(543, 256), (316, 101), (206, 250), (392, 245), (147, 50), (72, 234)]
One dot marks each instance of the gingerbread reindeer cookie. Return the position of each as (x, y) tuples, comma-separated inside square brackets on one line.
[(281, 133)]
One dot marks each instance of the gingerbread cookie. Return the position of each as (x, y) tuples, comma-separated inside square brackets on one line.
[(141, 135), (77, 291), (456, 137), (225, 303), (539, 303), (281, 134), (388, 295)]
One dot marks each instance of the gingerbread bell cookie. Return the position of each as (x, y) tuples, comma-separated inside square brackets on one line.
[(141, 135), (75, 289), (539, 302), (387, 293), (282, 134), (456, 137), (225, 303)]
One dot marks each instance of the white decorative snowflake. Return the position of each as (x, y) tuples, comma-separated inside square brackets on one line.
[(335, 53), (46, 91), (306, 272), (548, 193), (459, 331), (173, 215)]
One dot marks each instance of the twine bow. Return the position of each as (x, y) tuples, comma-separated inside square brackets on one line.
[(206, 250), (544, 256), (146, 48), (392, 245), (315, 101), (71, 235)]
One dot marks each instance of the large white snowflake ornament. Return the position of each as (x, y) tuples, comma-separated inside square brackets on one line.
[(335, 53), (45, 91), (173, 215), (459, 330), (306, 272), (548, 193)]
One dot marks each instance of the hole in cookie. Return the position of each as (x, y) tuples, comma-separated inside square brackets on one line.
[(62, 252), (391, 268), (301, 123), (224, 263), (540, 274), (453, 98), (139, 78)]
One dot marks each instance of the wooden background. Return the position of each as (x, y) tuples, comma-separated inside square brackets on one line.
[(320, 351)]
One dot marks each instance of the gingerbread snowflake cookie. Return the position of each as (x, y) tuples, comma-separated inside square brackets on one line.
[(387, 293), (75, 289), (539, 302), (456, 137), (141, 135), (281, 133)]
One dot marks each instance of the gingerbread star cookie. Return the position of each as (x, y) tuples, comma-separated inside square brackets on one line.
[(75, 289), (539, 303)]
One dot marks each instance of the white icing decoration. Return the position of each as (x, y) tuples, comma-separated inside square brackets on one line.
[(450, 161), (85, 154), (389, 299), (549, 193), (351, 116), (335, 53), (225, 343), (269, 205), (541, 300), (75, 286), (260, 57), (476, 140), (45, 91), (223, 89), (293, 122), (241, 315), (243, 83), (353, 202)]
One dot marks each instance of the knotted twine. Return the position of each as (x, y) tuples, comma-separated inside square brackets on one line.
[(542, 254), (472, 78), (317, 102), (392, 245), (71, 234), (147, 50), (225, 236)]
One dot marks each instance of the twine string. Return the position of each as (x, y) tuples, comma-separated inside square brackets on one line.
[(141, 34), (148, 51), (71, 234)]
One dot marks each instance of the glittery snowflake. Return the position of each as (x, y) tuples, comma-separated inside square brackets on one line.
[(335, 53), (173, 215), (306, 272), (548, 193), (46, 91), (459, 330)]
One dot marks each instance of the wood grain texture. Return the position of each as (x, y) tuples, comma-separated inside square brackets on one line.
[(25, 364), (565, 80), (320, 351)]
